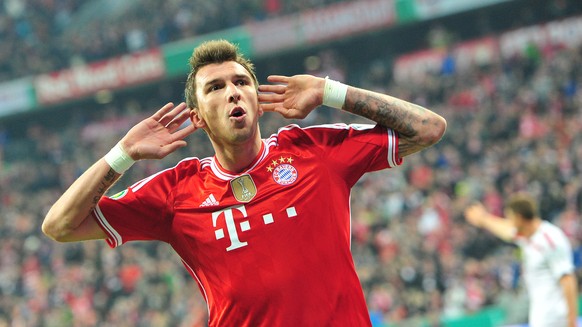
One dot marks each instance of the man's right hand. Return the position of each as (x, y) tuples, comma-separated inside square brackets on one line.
[(475, 214), (478, 216), (159, 135), (70, 218)]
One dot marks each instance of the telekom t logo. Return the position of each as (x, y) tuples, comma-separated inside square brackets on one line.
[(235, 243), (245, 225)]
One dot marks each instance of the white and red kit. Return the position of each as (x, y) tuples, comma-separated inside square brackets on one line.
[(547, 257), (269, 246)]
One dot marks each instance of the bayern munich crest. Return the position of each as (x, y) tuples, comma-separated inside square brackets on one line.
[(285, 174)]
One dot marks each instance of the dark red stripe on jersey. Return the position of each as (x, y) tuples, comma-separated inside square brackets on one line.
[(550, 241)]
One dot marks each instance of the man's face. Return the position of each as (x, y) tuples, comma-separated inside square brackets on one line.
[(228, 106), (515, 219)]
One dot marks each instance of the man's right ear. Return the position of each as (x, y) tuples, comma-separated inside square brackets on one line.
[(196, 119)]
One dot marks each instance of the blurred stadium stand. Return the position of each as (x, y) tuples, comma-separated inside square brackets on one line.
[(505, 74)]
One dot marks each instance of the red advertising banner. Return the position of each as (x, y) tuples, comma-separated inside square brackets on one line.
[(475, 53), (321, 25), (347, 19), (275, 34), (413, 66), (110, 74), (565, 33), (467, 54)]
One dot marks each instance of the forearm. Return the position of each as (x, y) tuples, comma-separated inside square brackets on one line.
[(570, 289), (499, 227), (417, 127), (69, 219), (412, 121), (76, 204)]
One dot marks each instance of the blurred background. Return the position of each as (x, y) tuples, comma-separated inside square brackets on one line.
[(506, 74)]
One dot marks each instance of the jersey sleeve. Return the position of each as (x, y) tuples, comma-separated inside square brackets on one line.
[(352, 150), (560, 257), (141, 212)]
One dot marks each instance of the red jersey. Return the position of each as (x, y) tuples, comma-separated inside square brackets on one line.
[(269, 246)]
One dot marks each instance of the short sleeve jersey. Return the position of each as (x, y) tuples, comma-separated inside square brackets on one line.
[(547, 256), (269, 246)]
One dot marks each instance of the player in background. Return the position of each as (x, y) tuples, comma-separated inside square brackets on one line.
[(548, 268), (264, 225)]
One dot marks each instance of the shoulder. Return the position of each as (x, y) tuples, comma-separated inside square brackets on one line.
[(549, 228), (329, 136), (287, 134), (553, 235), (183, 169), (294, 130), (192, 163)]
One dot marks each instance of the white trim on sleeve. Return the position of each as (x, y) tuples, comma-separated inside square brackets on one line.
[(113, 237), (393, 159)]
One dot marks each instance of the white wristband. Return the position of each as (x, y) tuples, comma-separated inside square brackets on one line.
[(118, 159), (334, 93)]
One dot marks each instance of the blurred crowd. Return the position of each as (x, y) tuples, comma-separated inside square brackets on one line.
[(512, 125), (42, 36)]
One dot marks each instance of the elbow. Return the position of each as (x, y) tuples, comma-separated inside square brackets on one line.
[(50, 229), (435, 133)]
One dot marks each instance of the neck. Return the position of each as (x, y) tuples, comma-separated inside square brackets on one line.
[(236, 157), (529, 229)]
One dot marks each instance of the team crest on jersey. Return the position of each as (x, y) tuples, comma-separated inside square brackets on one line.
[(243, 188), (118, 195), (283, 172)]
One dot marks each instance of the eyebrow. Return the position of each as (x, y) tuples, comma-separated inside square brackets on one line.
[(214, 81)]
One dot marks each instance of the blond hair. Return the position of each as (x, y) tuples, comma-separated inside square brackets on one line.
[(213, 52)]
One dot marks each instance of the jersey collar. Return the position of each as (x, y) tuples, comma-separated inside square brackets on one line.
[(226, 175)]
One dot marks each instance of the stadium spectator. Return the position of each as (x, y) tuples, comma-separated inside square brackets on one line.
[(44, 36)]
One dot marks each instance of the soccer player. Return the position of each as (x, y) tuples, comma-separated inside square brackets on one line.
[(263, 226), (548, 267)]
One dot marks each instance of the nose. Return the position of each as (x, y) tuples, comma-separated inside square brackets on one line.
[(233, 93)]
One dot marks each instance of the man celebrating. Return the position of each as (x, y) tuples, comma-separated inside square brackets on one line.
[(547, 260), (264, 225)]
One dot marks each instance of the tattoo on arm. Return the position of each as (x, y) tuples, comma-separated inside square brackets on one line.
[(104, 185), (395, 114), (411, 121)]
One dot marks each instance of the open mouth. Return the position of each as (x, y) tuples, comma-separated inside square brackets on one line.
[(237, 112)]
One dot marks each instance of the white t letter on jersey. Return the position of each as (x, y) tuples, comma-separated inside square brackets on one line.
[(235, 243)]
